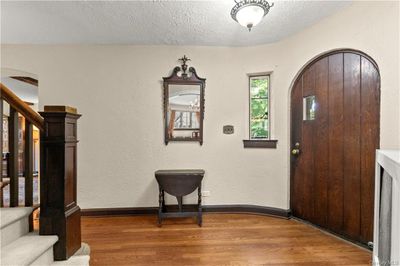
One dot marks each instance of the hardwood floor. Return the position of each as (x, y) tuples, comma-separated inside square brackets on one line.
[(224, 239)]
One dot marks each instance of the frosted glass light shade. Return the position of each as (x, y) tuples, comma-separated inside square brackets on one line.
[(250, 16), (249, 13)]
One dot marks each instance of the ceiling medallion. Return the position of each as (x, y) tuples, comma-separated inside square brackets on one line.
[(249, 13)]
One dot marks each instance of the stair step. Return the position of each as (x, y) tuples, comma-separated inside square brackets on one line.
[(28, 249), (10, 215), (14, 223), (81, 260)]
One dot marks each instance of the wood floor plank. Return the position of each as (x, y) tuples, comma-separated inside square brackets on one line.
[(224, 239)]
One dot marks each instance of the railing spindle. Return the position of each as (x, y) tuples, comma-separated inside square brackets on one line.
[(28, 163), (13, 153), (1, 149), (28, 170)]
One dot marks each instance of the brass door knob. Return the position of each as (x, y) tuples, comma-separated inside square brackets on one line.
[(296, 150)]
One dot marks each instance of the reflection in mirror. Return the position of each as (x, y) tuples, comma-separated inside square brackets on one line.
[(309, 107), (183, 111)]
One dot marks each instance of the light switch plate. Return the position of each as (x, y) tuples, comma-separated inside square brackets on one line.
[(228, 129)]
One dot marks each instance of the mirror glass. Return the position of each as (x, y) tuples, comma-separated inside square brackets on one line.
[(183, 111)]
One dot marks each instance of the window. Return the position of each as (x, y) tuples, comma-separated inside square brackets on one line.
[(259, 106), (309, 106)]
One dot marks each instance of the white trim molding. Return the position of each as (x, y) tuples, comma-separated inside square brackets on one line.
[(388, 161)]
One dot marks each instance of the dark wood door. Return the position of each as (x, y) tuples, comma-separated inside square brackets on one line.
[(335, 105)]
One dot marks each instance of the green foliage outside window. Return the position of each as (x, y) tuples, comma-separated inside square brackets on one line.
[(259, 93)]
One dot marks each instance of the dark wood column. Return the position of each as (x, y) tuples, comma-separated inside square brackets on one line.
[(59, 213), (13, 159)]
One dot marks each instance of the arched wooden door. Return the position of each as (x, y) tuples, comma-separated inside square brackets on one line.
[(335, 105)]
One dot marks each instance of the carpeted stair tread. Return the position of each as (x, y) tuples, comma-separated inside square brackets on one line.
[(26, 249), (76, 260), (10, 215)]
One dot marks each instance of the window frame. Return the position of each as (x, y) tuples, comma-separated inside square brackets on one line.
[(250, 76)]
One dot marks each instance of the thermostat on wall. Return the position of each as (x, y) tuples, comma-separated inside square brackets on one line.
[(228, 129)]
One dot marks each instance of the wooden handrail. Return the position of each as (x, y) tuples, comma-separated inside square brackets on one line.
[(3, 184), (21, 107)]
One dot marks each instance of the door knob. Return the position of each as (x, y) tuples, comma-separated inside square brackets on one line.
[(296, 150)]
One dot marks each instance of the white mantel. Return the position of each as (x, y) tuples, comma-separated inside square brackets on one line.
[(389, 160)]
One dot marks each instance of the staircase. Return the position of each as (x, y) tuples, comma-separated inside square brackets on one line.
[(57, 238), (21, 247)]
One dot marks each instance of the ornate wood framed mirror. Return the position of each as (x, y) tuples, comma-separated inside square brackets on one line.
[(183, 104)]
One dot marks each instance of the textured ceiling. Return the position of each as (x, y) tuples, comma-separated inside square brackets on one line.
[(152, 22)]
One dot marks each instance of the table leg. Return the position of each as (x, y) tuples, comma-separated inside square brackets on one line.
[(160, 207), (180, 204), (164, 208), (200, 211)]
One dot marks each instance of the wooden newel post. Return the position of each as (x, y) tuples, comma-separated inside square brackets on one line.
[(59, 213)]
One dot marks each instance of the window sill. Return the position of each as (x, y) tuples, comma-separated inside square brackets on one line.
[(262, 143)]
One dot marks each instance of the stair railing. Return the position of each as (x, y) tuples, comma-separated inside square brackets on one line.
[(59, 212)]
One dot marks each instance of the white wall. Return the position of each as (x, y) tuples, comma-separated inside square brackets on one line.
[(118, 90)]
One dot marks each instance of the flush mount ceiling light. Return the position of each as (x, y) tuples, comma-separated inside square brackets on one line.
[(249, 13)]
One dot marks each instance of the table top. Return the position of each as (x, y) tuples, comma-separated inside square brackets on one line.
[(180, 172), (179, 182)]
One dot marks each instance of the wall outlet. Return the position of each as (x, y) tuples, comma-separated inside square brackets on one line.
[(205, 193)]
